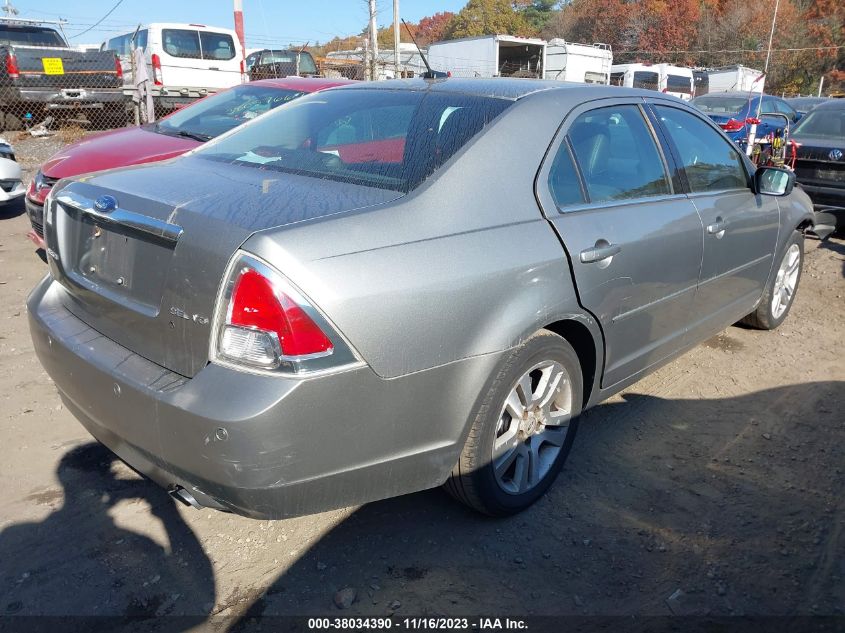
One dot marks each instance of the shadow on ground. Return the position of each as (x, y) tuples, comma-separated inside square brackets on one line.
[(733, 501), (736, 502), (77, 561)]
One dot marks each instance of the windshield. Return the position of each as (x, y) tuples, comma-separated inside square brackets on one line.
[(221, 112), (716, 104), (30, 36), (827, 123), (381, 138)]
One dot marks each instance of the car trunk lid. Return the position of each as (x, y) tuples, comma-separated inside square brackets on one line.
[(145, 269)]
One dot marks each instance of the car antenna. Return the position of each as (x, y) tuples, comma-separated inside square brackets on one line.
[(429, 74)]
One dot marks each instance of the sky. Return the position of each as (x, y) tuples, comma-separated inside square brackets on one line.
[(266, 22)]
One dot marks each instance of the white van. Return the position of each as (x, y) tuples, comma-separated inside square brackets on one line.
[(185, 61)]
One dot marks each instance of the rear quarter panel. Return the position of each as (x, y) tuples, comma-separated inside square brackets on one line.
[(464, 266)]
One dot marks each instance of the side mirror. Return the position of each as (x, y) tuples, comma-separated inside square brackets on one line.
[(773, 181)]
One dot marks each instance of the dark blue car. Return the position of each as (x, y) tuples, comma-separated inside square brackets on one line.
[(730, 110)]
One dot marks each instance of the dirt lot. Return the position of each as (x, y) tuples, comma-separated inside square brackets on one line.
[(721, 476)]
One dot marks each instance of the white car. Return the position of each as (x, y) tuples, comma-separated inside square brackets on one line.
[(11, 180)]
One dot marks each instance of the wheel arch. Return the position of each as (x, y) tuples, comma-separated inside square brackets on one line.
[(586, 342)]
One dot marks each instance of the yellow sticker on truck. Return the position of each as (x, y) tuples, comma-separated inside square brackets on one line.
[(53, 66)]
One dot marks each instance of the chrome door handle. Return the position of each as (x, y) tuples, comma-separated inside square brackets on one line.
[(599, 253), (717, 227)]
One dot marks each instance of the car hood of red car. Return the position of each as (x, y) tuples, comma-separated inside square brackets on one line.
[(116, 148)]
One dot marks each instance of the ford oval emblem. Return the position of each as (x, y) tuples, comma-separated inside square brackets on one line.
[(105, 203), (835, 154)]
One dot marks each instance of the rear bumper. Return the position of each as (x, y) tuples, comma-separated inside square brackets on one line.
[(261, 446), (67, 98)]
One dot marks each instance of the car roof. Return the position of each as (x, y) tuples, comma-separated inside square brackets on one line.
[(744, 95), (831, 104), (499, 87), (304, 84)]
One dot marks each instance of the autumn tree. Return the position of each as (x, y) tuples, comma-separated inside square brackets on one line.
[(487, 17), (433, 28)]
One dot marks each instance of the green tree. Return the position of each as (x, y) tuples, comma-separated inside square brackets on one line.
[(488, 17), (538, 13)]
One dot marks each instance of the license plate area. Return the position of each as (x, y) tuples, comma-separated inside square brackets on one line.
[(112, 262), (831, 174)]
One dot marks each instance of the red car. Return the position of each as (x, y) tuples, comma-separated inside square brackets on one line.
[(169, 137)]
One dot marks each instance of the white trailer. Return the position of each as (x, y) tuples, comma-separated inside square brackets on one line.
[(585, 63), (666, 78), (489, 56), (676, 81), (735, 79)]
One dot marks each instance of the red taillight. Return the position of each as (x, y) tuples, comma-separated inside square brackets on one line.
[(38, 189), (12, 66), (157, 77), (732, 125), (264, 322), (256, 304), (118, 69)]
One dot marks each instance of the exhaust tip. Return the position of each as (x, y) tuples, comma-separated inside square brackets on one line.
[(183, 496)]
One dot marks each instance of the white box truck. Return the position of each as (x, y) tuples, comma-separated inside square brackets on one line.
[(489, 56), (585, 63), (735, 79)]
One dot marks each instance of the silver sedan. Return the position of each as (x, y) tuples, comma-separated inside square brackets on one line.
[(388, 287)]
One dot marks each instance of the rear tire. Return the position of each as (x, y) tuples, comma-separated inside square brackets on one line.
[(542, 380), (780, 292)]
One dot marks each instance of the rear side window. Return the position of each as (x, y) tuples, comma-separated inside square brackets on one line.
[(647, 80), (563, 179), (617, 154), (710, 162)]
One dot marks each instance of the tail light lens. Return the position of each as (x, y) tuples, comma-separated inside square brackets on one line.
[(157, 77), (118, 69), (732, 125), (263, 322), (12, 66), (39, 187)]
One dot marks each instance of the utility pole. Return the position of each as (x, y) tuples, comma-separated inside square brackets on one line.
[(396, 72), (769, 53), (373, 42), (239, 31)]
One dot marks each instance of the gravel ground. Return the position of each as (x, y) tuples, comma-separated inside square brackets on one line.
[(714, 486)]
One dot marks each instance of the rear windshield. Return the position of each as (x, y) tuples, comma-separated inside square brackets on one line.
[(198, 44), (29, 36), (221, 112), (679, 83), (715, 104), (826, 123), (306, 62), (645, 80), (379, 138)]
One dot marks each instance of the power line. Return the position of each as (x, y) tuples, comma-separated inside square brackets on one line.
[(117, 4), (739, 50)]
